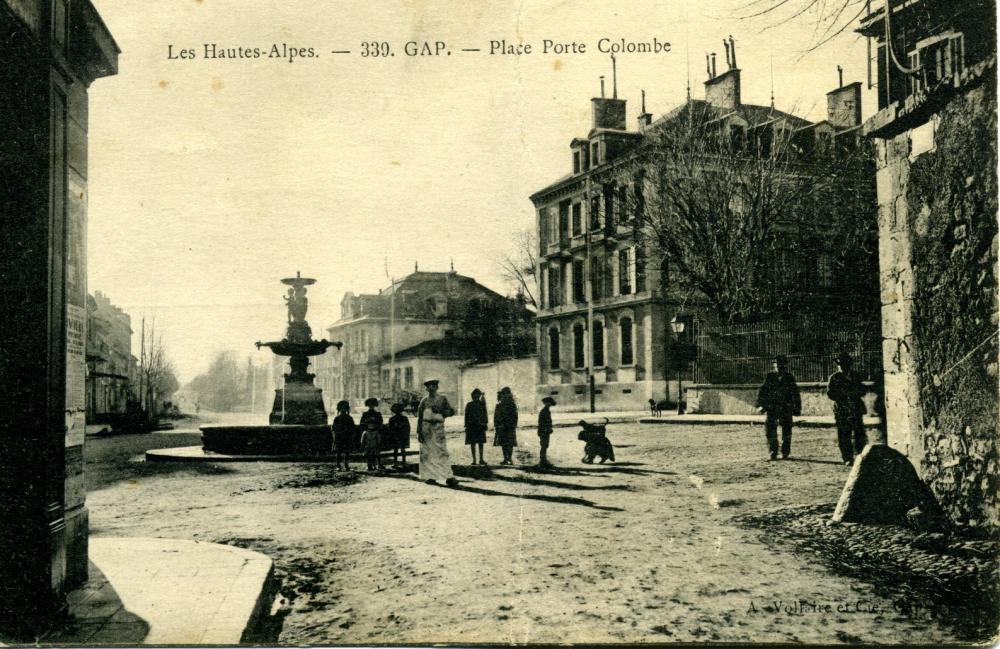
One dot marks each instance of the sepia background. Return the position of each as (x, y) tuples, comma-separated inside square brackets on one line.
[(212, 179)]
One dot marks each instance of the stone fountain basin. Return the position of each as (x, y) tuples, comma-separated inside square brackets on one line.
[(278, 439)]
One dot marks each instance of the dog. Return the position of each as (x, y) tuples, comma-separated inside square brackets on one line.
[(656, 408), (597, 442)]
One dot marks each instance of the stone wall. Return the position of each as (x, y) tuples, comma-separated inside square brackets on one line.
[(741, 399), (937, 190)]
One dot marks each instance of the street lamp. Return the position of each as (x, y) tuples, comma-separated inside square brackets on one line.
[(678, 328)]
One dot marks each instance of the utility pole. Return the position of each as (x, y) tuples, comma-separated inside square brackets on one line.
[(589, 290), (142, 365)]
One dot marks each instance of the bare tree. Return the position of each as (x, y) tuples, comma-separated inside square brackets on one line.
[(732, 218), (520, 267), (159, 379), (830, 18)]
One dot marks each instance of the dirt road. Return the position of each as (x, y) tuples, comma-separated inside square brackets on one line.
[(642, 550)]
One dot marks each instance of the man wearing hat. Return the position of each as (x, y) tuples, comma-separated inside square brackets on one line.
[(435, 463), (545, 430), (847, 391), (779, 398)]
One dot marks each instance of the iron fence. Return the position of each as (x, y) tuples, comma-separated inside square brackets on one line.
[(743, 353)]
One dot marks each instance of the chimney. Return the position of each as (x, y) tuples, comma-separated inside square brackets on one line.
[(708, 65), (843, 106), (645, 119), (608, 113), (723, 91)]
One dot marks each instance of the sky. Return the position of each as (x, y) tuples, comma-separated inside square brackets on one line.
[(210, 180)]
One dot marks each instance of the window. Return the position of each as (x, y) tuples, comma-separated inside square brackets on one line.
[(628, 356), (938, 59), (577, 219), (609, 207), (595, 213), (597, 276), (623, 211), (626, 266), (554, 348), (385, 379), (553, 223), (555, 290), (598, 344), (594, 154), (563, 220), (395, 379), (576, 162), (640, 269), (408, 381), (579, 355), (639, 207), (543, 231), (578, 281), (737, 137)]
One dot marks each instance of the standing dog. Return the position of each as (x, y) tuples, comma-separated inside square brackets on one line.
[(597, 442)]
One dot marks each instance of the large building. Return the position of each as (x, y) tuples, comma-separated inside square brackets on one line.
[(415, 329), (608, 315), (52, 51), (936, 142), (111, 368)]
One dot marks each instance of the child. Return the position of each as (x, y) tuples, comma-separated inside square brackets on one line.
[(399, 434), (371, 434), (343, 433), (545, 431), (476, 423)]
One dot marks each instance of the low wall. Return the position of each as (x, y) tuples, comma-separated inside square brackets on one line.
[(518, 374), (618, 396), (740, 399)]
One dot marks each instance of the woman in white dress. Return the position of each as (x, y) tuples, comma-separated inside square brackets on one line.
[(435, 463)]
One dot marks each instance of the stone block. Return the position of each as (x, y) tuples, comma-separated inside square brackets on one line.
[(883, 488)]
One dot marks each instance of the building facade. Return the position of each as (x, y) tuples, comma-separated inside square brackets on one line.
[(52, 51), (607, 325), (935, 135), (112, 370), (413, 330)]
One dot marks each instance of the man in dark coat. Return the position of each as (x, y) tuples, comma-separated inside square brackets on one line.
[(779, 398), (846, 391)]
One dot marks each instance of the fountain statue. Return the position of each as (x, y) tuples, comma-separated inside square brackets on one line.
[(298, 419)]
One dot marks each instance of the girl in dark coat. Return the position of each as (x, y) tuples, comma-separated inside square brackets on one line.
[(371, 434), (476, 423), (343, 434), (505, 424), (399, 434)]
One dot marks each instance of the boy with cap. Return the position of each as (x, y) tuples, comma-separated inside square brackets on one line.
[(545, 431)]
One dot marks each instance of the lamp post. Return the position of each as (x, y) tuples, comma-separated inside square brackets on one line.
[(678, 328)]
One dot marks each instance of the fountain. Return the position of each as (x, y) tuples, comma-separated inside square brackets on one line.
[(298, 419)]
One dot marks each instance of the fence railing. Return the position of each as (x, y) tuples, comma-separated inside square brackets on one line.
[(743, 353)]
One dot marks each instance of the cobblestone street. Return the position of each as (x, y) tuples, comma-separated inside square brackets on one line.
[(642, 550)]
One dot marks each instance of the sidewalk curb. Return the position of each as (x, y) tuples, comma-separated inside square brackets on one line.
[(750, 420)]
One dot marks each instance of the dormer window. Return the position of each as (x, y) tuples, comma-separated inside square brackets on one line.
[(595, 150), (576, 161)]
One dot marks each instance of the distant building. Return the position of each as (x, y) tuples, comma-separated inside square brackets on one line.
[(606, 306), (422, 326), (111, 368), (935, 135)]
